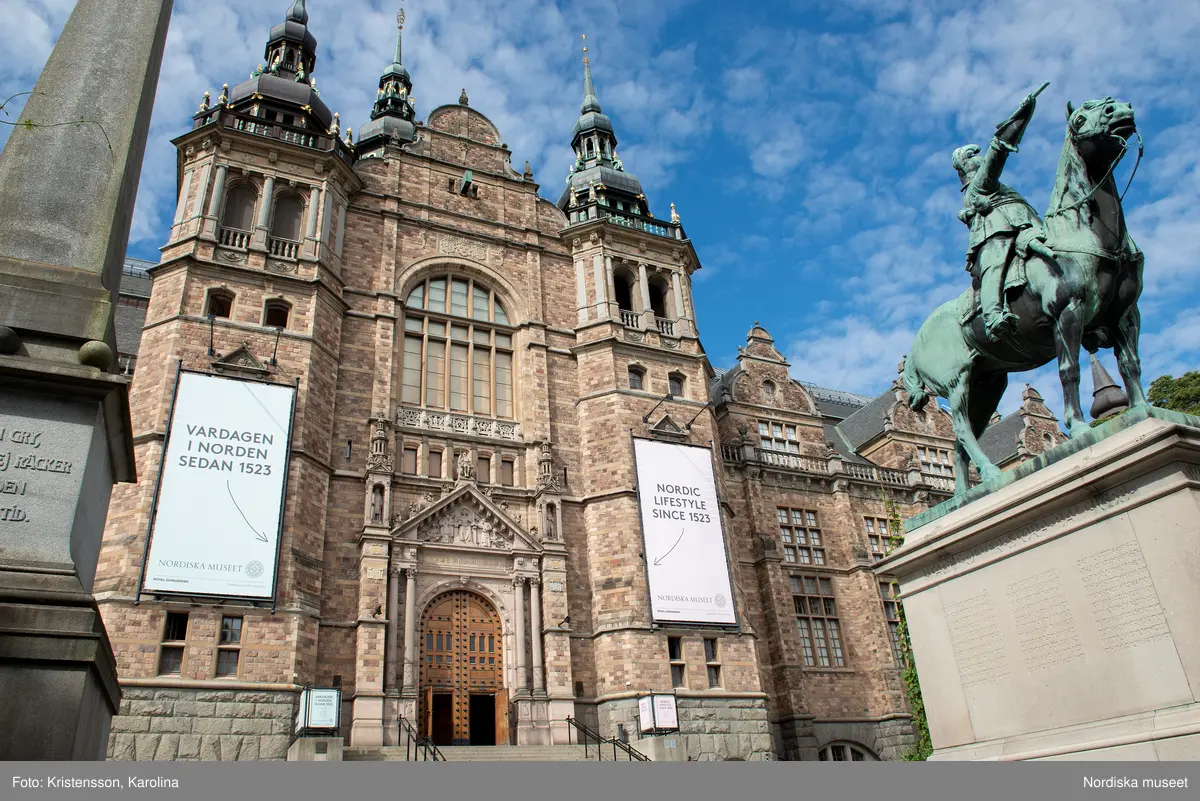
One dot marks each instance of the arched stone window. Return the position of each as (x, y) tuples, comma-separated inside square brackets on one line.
[(660, 298), (458, 348), (623, 284), (637, 377), (846, 752), (276, 312), (285, 219), (676, 385), (219, 303), (769, 391), (239, 208)]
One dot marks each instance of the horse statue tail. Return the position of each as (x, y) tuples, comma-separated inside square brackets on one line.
[(917, 396)]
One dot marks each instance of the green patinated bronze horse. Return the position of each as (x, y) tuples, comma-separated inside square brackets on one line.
[(1083, 292)]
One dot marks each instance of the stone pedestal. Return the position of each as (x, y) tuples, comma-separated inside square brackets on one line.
[(1055, 616)]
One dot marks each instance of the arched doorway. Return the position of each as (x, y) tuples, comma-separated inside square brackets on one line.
[(462, 671)]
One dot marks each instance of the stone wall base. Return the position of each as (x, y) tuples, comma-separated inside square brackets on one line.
[(191, 724), (803, 738), (710, 729)]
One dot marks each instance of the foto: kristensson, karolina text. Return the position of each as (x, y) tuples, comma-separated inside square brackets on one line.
[(76, 783)]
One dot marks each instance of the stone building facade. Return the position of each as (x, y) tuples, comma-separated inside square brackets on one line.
[(471, 360)]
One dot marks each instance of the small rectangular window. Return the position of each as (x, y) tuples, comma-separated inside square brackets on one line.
[(507, 476), (408, 464), (710, 650), (635, 379), (435, 464), (677, 676), (176, 627), (674, 648), (483, 470), (231, 630), (227, 661), (714, 675), (170, 660)]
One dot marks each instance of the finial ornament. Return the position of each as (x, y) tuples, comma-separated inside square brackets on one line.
[(223, 100), (337, 124), (462, 98), (675, 219), (400, 19), (350, 136), (204, 103)]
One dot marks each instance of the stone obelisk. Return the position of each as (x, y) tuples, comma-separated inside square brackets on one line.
[(67, 186)]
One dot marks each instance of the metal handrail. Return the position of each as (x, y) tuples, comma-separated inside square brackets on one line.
[(589, 735), (419, 749)]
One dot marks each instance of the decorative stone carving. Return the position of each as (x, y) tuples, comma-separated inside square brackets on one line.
[(276, 266), (466, 470), (379, 460), (458, 246), (547, 480), (465, 526), (232, 256), (634, 336), (458, 424)]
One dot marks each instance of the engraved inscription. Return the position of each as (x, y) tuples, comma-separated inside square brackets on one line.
[(1125, 605), (376, 572), (555, 586), (1045, 625), (1025, 535), (975, 638), (458, 246), (23, 459)]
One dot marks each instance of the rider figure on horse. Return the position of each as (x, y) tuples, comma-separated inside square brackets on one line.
[(1002, 224)]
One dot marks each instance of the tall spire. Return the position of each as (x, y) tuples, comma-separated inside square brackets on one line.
[(590, 103), (392, 115), (297, 13)]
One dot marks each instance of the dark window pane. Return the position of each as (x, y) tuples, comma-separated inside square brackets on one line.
[(176, 628), (231, 629), (227, 662), (170, 660), (676, 675), (674, 648)]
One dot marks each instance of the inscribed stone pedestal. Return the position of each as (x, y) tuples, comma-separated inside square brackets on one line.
[(1055, 617)]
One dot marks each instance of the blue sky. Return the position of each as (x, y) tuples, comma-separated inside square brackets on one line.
[(805, 144)]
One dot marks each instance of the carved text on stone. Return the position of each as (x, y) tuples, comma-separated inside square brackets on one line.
[(978, 647), (1125, 605), (1045, 626)]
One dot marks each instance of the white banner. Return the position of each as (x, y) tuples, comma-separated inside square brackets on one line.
[(645, 714), (319, 709), (666, 715), (216, 525), (686, 562)]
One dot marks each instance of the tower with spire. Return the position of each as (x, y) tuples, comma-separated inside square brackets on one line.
[(392, 113)]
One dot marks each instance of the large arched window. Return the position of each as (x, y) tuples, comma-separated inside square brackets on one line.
[(845, 752), (285, 222), (458, 348), (239, 208)]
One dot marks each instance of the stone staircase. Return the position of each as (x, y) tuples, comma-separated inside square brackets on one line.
[(480, 753)]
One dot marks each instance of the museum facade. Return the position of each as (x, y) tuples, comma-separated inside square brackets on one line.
[(461, 547)]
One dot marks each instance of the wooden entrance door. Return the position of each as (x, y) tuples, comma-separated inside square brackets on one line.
[(461, 654)]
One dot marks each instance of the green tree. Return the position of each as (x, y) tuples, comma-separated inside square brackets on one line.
[(1178, 394), (908, 667)]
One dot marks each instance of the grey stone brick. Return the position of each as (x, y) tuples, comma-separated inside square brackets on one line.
[(130, 723), (145, 746), (273, 746), (210, 726), (250, 726), (173, 724), (210, 748), (168, 747), (189, 746)]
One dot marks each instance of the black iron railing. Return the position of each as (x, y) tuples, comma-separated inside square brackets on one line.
[(417, 748), (606, 747)]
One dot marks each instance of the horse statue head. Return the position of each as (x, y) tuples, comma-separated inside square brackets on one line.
[(1101, 128)]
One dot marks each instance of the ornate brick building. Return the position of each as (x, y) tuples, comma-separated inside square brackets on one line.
[(461, 548)]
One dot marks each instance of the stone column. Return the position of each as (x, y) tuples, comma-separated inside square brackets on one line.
[(522, 687), (535, 620), (184, 191), (601, 286), (67, 194), (680, 309), (210, 225), (580, 291), (613, 310), (393, 628), (264, 213), (202, 190), (314, 203), (341, 231), (410, 630), (644, 288)]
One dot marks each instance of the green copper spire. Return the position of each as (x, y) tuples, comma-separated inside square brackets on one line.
[(590, 103), (392, 114), (297, 13), (399, 32)]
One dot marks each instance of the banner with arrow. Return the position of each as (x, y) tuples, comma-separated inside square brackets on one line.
[(687, 563), (216, 519)]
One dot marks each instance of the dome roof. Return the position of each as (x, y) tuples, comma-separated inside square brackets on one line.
[(294, 93)]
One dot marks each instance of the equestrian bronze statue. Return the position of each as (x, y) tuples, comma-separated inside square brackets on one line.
[(1042, 286)]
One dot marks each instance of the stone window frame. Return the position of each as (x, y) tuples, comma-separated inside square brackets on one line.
[(405, 450), (779, 436), (889, 596), (673, 378), (838, 751), (508, 471), (219, 293), (229, 646), (935, 461), (487, 335), (818, 622), (676, 661), (440, 453), (174, 644), (275, 305), (877, 536), (712, 662), (233, 186), (802, 536), (483, 461), (288, 193), (635, 369)]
